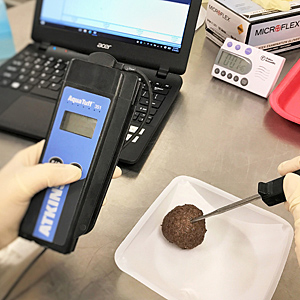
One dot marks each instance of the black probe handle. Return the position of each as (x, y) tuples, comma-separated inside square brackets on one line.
[(272, 192)]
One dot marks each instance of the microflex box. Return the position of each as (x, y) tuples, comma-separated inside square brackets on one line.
[(249, 23)]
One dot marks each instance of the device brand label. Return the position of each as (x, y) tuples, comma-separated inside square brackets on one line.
[(80, 101), (104, 46), (219, 12), (267, 59), (277, 28), (50, 212)]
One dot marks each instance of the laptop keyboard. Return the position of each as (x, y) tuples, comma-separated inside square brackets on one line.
[(36, 73), (159, 94)]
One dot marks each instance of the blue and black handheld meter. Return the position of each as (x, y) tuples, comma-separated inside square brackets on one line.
[(88, 130)]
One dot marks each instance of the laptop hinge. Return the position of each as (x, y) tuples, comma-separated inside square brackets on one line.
[(162, 72), (44, 45)]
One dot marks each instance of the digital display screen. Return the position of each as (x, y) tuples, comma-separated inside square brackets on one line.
[(78, 124), (234, 63), (158, 24)]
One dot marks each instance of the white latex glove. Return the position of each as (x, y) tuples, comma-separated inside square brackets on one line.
[(282, 5), (291, 187), (20, 179)]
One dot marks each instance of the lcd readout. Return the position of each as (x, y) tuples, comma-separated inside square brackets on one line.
[(78, 124), (234, 63)]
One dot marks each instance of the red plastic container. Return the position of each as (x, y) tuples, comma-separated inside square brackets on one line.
[(285, 99)]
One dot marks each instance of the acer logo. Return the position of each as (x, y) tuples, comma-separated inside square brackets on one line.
[(104, 46)]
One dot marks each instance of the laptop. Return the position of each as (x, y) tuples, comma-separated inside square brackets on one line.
[(153, 35)]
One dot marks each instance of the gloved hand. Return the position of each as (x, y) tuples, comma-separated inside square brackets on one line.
[(291, 187), (20, 179), (282, 5)]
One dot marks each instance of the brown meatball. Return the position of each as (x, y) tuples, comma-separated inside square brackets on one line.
[(178, 229)]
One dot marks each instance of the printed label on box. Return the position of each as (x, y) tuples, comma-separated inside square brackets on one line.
[(274, 31), (225, 23), (280, 30)]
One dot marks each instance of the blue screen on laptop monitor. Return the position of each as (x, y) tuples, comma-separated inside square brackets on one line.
[(149, 23)]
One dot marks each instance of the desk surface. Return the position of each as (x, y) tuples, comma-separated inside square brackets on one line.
[(216, 132)]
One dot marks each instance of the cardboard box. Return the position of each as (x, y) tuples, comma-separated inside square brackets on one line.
[(249, 23)]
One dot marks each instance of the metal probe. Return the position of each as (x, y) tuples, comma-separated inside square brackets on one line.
[(270, 192), (227, 207)]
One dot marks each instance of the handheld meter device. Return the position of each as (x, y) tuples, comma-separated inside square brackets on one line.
[(88, 130), (247, 67)]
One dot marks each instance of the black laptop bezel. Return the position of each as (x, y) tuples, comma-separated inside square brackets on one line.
[(128, 53)]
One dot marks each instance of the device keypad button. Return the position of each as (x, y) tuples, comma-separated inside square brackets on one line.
[(244, 81), (135, 139), (55, 86), (160, 90), (22, 78), (223, 73), (33, 80), (44, 76), (43, 84), (34, 73), (133, 129), (35, 67), (158, 97), (58, 73), (5, 82), (12, 69), (248, 51), (9, 75), (217, 70), (17, 63), (135, 116), (229, 75), (15, 85), (55, 79), (55, 160), (76, 165), (150, 118), (236, 78), (24, 71), (26, 87), (141, 131)]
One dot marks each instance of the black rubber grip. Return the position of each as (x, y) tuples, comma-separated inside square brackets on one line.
[(272, 192)]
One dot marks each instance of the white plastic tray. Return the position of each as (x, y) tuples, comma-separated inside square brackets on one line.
[(242, 256)]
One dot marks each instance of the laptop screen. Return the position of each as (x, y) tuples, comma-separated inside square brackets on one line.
[(148, 23), (155, 34)]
